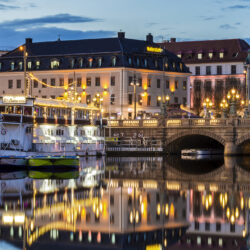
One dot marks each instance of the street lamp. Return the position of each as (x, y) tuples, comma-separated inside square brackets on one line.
[(207, 104), (134, 84), (164, 103), (25, 55), (224, 107), (233, 98)]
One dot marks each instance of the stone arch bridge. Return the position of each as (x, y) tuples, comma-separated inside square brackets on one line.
[(231, 135)]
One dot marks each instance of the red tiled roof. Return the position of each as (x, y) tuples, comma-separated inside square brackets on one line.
[(235, 50)]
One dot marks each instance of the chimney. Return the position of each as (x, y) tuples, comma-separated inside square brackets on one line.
[(150, 38), (121, 35), (172, 40), (28, 41)]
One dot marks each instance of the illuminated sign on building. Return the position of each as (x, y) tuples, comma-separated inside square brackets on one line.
[(14, 99), (154, 49)]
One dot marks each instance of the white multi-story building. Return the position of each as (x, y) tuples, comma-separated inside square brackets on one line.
[(104, 66), (216, 67)]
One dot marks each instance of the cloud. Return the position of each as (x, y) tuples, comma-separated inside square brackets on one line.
[(7, 7), (10, 38), (42, 21), (226, 26), (236, 7)]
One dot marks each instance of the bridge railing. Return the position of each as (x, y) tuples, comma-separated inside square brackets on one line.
[(197, 122)]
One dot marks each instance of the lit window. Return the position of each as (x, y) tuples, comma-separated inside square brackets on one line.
[(100, 62), (145, 63), (199, 55), (20, 65), (209, 241), (210, 55), (72, 63), (80, 62), (220, 242), (90, 62), (129, 61), (198, 240), (54, 64), (12, 66), (37, 64), (179, 55), (113, 61), (29, 65), (138, 62), (221, 54), (112, 99), (166, 65)]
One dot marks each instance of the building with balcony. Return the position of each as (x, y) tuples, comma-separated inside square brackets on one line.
[(216, 67), (105, 66)]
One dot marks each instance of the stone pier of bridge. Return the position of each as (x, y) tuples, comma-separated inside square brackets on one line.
[(231, 136)]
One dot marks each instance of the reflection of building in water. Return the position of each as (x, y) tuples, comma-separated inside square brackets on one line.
[(122, 213)]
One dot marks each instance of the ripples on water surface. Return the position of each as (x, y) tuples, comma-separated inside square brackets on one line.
[(128, 203)]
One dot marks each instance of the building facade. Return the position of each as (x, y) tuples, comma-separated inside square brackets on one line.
[(216, 67), (104, 66)]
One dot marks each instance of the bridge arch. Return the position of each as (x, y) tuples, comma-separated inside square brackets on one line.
[(243, 144), (177, 141)]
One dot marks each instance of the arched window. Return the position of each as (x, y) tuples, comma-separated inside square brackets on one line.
[(12, 65), (113, 61), (99, 62), (54, 64)]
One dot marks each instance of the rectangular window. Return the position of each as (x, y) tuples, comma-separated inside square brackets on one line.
[(158, 102), (197, 70), (88, 81), (184, 85), (218, 227), (158, 83), (97, 81), (130, 99), (112, 81), (35, 84), (149, 100), (140, 82), (233, 69), (70, 81), (88, 99), (219, 70), (196, 225), (10, 84), (208, 70), (149, 83), (207, 226), (167, 84), (199, 56), (37, 64), (53, 82), (53, 97), (44, 81), (176, 100), (130, 80), (176, 84), (79, 82), (221, 54), (44, 96), (29, 65), (18, 84), (61, 82), (184, 101), (0, 66)]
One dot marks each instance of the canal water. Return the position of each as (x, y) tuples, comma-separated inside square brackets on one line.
[(128, 203)]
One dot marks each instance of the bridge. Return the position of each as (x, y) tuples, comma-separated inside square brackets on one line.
[(231, 135)]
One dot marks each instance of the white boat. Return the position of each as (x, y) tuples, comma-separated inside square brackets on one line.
[(35, 126)]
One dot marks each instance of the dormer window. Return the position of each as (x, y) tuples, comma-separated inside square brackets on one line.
[(20, 65), (179, 55), (90, 62), (99, 62), (29, 65), (210, 55), (221, 54), (145, 63), (80, 62), (166, 65), (37, 64), (199, 56), (54, 64), (72, 63), (12, 65), (138, 62), (130, 61)]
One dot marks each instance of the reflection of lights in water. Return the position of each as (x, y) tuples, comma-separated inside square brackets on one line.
[(89, 236), (166, 209), (113, 238), (131, 217), (80, 235)]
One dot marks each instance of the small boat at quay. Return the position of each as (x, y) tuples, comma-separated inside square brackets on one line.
[(54, 162)]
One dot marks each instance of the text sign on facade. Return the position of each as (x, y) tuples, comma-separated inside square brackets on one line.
[(154, 49), (14, 99)]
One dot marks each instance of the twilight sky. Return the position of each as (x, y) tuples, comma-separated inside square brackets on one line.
[(45, 20)]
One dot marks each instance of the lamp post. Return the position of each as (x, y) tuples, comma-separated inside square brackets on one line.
[(207, 104), (98, 100), (25, 55), (224, 107), (134, 84), (164, 103), (233, 97)]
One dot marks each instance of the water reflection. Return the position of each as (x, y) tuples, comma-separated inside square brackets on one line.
[(128, 203)]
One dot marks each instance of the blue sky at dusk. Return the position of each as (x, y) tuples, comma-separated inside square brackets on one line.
[(79, 19)]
